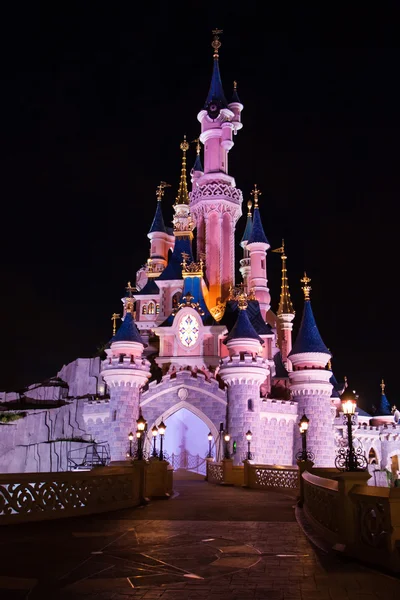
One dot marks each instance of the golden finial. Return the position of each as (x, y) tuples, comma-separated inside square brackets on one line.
[(216, 44), (114, 318), (184, 145), (160, 190), (183, 196), (252, 294), (242, 301), (329, 363), (235, 86), (383, 387), (198, 145), (306, 288), (249, 205), (256, 192), (130, 289), (129, 306)]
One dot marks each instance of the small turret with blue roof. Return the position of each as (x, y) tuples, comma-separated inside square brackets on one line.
[(158, 224), (243, 337), (257, 234), (308, 339), (249, 226), (215, 98), (127, 332)]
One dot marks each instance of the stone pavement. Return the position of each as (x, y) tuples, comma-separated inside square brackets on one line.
[(211, 542)]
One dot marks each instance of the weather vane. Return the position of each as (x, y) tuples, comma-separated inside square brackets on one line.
[(160, 189), (216, 44), (114, 318)]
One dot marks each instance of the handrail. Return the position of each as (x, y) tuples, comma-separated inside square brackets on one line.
[(321, 482)]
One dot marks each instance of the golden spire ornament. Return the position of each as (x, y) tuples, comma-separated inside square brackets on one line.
[(114, 318), (129, 289), (242, 301), (160, 190), (198, 145), (183, 196), (383, 387), (249, 205), (256, 193), (285, 302), (306, 288), (216, 44)]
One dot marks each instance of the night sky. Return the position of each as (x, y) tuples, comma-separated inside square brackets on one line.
[(94, 105)]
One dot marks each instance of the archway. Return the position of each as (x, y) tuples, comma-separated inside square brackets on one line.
[(185, 442)]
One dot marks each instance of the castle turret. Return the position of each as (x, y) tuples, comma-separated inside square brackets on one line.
[(159, 237), (285, 312), (245, 261), (311, 387), (215, 200), (243, 372), (125, 371), (257, 245), (384, 408), (197, 170)]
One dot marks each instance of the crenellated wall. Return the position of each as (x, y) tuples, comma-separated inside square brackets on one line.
[(278, 421)]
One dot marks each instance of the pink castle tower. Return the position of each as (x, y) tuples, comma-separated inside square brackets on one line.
[(243, 372), (215, 201), (285, 313), (311, 387), (257, 246), (125, 371)]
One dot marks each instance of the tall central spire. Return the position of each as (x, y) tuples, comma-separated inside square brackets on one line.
[(285, 302), (183, 196)]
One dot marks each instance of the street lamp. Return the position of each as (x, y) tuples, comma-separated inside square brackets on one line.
[(130, 438), (210, 437), (161, 430), (154, 432), (304, 454), (227, 437), (141, 426), (350, 459), (249, 436)]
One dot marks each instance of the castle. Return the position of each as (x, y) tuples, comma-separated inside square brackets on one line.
[(197, 350)]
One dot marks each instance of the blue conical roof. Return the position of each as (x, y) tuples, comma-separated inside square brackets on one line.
[(216, 91), (335, 392), (247, 230), (257, 231), (308, 338), (384, 408), (280, 369), (127, 332), (197, 164), (158, 221), (243, 329), (235, 97), (174, 268)]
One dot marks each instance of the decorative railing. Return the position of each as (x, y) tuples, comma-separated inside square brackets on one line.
[(321, 504), (363, 520), (215, 472), (268, 477), (377, 525), (40, 496), (190, 462)]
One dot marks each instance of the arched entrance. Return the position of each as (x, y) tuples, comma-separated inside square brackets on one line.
[(186, 441)]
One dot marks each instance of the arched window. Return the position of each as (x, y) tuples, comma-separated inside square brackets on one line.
[(151, 309), (372, 458), (144, 309), (175, 299), (157, 309), (250, 405)]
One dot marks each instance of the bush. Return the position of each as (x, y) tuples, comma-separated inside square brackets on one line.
[(8, 417)]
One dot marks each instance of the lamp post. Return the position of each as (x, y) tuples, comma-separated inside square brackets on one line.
[(141, 426), (304, 454), (154, 432), (130, 438), (227, 437), (350, 459), (210, 437), (161, 430), (249, 436)]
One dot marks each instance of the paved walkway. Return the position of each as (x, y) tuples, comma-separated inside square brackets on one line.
[(211, 542)]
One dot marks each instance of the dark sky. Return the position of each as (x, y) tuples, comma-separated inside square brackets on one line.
[(94, 105)]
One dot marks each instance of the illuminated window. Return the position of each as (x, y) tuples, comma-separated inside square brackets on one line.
[(144, 309), (157, 309), (372, 458), (151, 308)]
